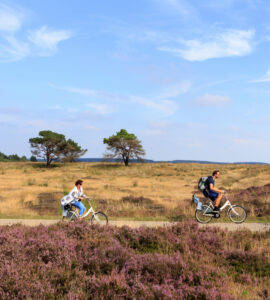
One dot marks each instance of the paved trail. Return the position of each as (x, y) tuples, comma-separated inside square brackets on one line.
[(135, 224)]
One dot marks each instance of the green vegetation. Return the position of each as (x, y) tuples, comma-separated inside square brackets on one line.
[(125, 146), (53, 146), (13, 157), (70, 151), (76, 260)]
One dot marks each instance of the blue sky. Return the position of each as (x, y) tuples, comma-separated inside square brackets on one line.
[(190, 78)]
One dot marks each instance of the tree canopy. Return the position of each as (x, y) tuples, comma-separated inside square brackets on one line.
[(54, 146), (124, 145), (70, 151)]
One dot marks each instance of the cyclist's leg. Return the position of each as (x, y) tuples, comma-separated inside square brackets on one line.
[(218, 199), (80, 206)]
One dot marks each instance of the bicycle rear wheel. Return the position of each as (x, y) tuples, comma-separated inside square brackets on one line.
[(71, 216), (237, 214), (202, 216), (99, 218)]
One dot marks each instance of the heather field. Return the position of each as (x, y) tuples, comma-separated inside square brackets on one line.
[(80, 261), (140, 191)]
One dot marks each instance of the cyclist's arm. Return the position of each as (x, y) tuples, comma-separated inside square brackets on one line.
[(75, 196), (212, 188), (83, 195)]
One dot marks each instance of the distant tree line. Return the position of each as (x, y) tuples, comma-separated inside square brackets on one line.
[(13, 157)]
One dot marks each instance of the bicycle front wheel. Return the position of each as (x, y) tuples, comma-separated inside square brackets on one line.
[(202, 216), (99, 218), (237, 214)]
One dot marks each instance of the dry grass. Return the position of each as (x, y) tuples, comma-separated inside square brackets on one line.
[(140, 190)]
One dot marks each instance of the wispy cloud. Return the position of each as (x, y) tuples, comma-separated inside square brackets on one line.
[(46, 40), (10, 19), (229, 43), (264, 78), (102, 109), (212, 100), (15, 46), (84, 92), (175, 89), (158, 102), (157, 128)]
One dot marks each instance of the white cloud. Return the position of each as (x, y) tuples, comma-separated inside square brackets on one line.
[(10, 19), (84, 92), (13, 50), (264, 78), (167, 107), (212, 100), (229, 43), (159, 103), (176, 89), (46, 40), (40, 42), (102, 109)]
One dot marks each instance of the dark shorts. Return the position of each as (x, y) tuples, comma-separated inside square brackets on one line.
[(212, 195)]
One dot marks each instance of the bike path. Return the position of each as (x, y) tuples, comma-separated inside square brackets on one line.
[(136, 224)]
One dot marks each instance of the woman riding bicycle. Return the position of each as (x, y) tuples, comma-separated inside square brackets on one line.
[(74, 198)]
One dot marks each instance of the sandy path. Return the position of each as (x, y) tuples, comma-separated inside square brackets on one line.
[(135, 224)]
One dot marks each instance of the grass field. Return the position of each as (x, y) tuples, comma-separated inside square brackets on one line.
[(142, 191)]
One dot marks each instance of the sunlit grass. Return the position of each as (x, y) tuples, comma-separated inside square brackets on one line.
[(168, 187)]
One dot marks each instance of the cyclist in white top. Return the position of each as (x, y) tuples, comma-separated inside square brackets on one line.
[(74, 197)]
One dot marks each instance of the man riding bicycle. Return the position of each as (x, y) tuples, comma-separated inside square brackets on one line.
[(74, 198), (213, 193)]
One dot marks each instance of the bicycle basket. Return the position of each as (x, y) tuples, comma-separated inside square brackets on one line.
[(195, 199)]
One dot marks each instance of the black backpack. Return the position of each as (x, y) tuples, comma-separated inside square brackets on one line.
[(202, 183)]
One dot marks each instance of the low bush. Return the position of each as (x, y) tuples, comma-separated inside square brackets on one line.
[(80, 261)]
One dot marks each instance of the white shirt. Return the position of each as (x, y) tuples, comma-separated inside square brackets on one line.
[(73, 196)]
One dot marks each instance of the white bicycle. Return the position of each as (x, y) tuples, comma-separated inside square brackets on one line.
[(98, 217), (204, 212)]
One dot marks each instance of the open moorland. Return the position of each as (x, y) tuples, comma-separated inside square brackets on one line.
[(139, 191)]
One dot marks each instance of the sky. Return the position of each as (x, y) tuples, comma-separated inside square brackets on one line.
[(191, 79)]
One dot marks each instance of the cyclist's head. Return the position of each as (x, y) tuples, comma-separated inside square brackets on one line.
[(216, 173), (78, 182)]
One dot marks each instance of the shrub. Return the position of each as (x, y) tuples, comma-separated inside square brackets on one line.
[(78, 261)]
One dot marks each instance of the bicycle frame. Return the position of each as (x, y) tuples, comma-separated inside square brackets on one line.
[(90, 210), (227, 203)]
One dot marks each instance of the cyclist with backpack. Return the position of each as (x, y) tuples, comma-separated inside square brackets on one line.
[(74, 198), (209, 190)]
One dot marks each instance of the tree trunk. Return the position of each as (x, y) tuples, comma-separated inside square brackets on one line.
[(126, 161), (48, 162)]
